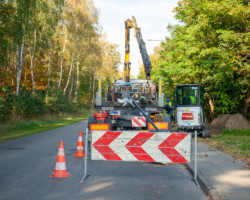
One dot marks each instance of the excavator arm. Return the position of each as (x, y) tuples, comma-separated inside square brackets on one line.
[(131, 23)]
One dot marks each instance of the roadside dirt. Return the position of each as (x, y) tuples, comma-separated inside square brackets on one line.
[(226, 121)]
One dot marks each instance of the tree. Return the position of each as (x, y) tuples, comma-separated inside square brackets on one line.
[(54, 49), (210, 47)]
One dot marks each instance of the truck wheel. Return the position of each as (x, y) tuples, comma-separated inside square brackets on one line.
[(206, 133), (167, 119), (91, 120)]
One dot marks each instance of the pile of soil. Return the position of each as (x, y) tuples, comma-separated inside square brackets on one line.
[(226, 121)]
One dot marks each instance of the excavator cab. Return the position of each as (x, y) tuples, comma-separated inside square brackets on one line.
[(190, 95), (189, 108)]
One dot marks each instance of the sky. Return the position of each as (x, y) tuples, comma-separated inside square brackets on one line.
[(153, 17)]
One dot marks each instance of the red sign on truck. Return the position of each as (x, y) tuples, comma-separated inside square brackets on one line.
[(187, 116)]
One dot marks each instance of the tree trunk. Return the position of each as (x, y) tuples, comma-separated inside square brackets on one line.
[(19, 65), (9, 67), (6, 66), (13, 70), (89, 90), (70, 70), (71, 89), (48, 85), (247, 103), (93, 99), (25, 75), (61, 66), (17, 70), (49, 66), (32, 55), (77, 81)]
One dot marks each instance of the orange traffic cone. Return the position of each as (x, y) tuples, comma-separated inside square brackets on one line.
[(60, 168), (80, 147)]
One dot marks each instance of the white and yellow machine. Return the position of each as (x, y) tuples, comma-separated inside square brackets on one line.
[(189, 105)]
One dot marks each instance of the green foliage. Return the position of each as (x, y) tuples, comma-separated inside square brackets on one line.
[(18, 128), (60, 103), (27, 104), (6, 107), (24, 125), (56, 49), (211, 48)]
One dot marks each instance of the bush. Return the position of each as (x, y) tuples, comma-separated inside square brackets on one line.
[(60, 103), (6, 108), (6, 105), (28, 105)]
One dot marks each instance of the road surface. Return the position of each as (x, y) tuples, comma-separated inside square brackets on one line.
[(26, 164)]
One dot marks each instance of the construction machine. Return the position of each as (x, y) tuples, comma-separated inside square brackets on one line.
[(131, 104), (189, 108)]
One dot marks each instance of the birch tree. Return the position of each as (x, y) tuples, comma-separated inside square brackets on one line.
[(32, 55), (62, 59), (49, 69), (70, 70), (22, 18), (77, 81), (71, 88)]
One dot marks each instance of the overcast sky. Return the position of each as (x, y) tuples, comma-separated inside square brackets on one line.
[(152, 17)]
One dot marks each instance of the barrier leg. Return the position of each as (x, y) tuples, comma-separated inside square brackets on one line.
[(195, 159), (86, 156)]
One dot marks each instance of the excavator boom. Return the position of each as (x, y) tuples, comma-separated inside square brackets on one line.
[(131, 23)]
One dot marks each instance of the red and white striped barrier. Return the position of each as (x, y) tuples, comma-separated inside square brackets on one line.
[(138, 121), (162, 147)]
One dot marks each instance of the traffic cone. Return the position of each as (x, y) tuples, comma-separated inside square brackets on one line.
[(80, 147), (60, 168)]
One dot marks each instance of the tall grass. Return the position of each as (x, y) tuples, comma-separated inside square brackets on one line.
[(233, 141), (22, 127)]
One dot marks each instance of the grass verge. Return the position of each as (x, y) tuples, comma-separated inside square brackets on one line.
[(23, 127), (235, 142)]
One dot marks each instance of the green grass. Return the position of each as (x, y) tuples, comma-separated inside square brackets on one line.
[(236, 132), (19, 128), (235, 142)]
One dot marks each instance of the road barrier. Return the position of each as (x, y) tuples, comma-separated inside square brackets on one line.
[(164, 147)]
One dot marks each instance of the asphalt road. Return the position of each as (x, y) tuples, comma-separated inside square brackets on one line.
[(26, 164)]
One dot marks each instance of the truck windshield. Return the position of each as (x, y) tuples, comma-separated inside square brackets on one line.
[(188, 95)]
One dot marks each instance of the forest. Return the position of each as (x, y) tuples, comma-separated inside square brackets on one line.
[(53, 50), (209, 47), (51, 54)]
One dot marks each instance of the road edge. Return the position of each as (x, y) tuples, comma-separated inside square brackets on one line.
[(209, 190), (24, 133)]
